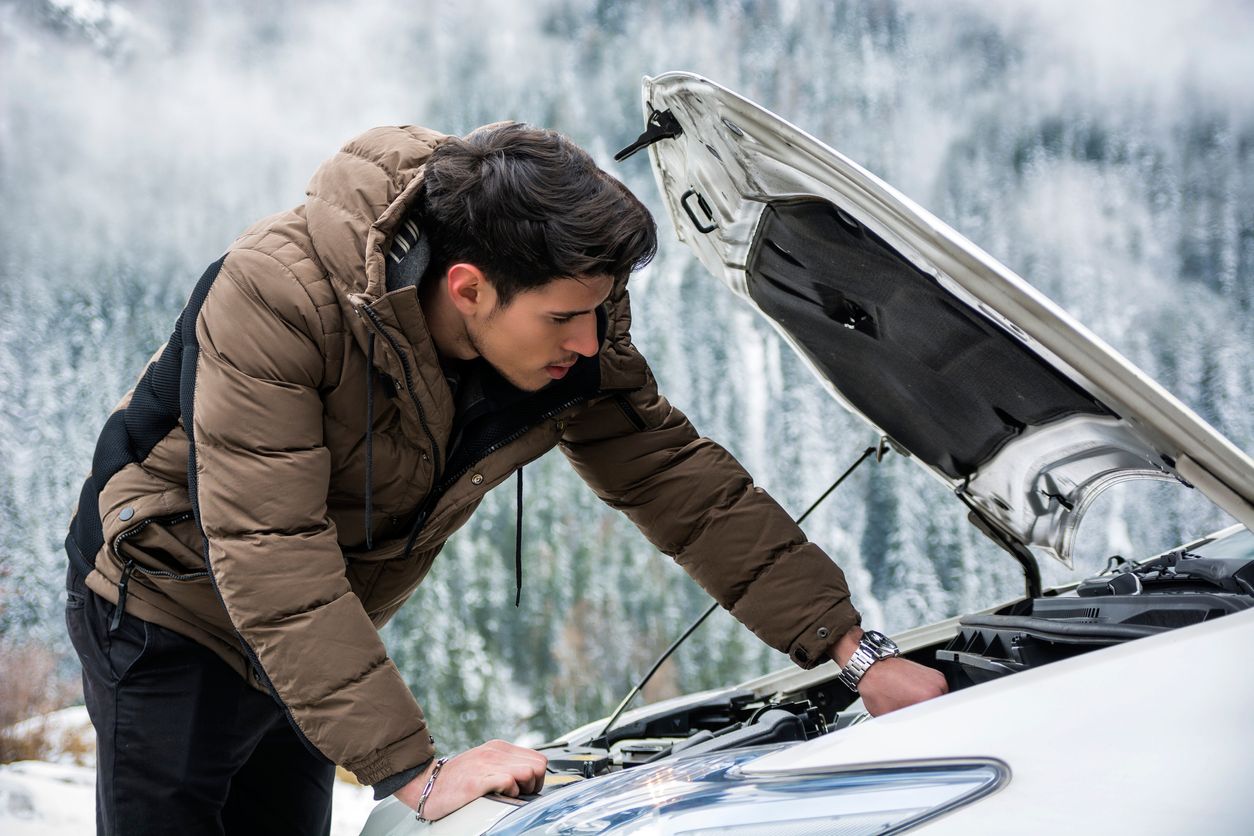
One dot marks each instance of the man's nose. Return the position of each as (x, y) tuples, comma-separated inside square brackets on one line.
[(582, 339)]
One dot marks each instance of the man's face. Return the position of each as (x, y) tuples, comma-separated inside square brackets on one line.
[(539, 335)]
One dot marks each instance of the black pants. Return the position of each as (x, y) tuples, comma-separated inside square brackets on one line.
[(184, 745)]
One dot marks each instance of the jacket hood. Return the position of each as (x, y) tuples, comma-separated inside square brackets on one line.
[(356, 199)]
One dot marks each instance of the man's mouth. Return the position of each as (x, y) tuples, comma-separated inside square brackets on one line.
[(559, 370)]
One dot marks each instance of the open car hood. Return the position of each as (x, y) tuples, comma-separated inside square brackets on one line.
[(1002, 395)]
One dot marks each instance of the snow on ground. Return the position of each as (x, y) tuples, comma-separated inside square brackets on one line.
[(57, 797), (350, 809), (39, 798)]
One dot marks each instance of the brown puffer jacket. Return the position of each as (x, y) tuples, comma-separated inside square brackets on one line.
[(227, 494)]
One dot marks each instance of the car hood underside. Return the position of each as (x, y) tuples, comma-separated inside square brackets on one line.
[(1014, 405)]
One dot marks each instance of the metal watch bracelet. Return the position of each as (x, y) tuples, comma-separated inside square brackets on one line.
[(872, 647)]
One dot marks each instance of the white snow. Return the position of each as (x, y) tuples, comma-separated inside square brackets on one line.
[(44, 798), (350, 808)]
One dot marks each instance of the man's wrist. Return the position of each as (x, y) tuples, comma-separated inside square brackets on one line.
[(846, 645), (420, 810), (392, 783), (869, 649)]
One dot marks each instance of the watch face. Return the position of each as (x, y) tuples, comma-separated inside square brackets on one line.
[(883, 645)]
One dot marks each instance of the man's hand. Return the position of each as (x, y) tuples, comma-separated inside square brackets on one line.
[(890, 684), (496, 766)]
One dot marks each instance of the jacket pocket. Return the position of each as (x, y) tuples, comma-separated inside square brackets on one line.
[(161, 547), (158, 550), (629, 412)]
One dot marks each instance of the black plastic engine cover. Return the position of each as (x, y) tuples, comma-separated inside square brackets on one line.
[(991, 646), (1178, 571)]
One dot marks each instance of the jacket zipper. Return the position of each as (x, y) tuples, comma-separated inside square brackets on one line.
[(409, 383), (144, 523), (509, 439), (129, 566), (440, 490)]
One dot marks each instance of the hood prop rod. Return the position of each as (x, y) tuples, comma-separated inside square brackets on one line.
[(878, 451), (1031, 569)]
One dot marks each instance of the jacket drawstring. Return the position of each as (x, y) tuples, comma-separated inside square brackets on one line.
[(369, 439), (518, 545)]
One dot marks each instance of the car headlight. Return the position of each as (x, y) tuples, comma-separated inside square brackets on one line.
[(711, 794)]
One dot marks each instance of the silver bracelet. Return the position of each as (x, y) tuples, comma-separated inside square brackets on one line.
[(426, 791)]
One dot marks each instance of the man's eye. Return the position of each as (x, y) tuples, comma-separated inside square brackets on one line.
[(561, 320)]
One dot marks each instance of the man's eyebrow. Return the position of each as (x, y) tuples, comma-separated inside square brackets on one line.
[(573, 313)]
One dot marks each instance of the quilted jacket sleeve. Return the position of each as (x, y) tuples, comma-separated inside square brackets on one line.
[(260, 477), (694, 502)]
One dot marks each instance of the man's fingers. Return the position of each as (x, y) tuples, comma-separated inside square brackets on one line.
[(530, 784), (513, 775), (526, 766), (501, 782), (537, 765), (527, 774)]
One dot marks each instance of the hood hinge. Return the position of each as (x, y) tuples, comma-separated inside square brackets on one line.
[(662, 125)]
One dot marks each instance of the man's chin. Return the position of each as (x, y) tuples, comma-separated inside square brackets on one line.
[(533, 383)]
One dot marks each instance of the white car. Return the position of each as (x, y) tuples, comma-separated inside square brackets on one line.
[(1124, 703)]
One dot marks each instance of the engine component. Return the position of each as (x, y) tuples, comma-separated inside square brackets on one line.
[(1175, 590)]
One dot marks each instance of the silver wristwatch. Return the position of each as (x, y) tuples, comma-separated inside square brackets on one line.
[(872, 647)]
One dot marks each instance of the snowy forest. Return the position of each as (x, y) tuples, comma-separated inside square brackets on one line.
[(1105, 152)]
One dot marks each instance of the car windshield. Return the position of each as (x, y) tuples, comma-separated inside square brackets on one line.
[(1235, 546)]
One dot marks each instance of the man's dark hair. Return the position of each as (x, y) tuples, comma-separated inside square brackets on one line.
[(527, 206)]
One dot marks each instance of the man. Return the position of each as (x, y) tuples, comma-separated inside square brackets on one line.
[(342, 389)]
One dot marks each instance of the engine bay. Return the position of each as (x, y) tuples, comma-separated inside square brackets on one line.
[(1128, 600)]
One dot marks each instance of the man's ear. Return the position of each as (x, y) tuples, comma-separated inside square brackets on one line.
[(469, 290)]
